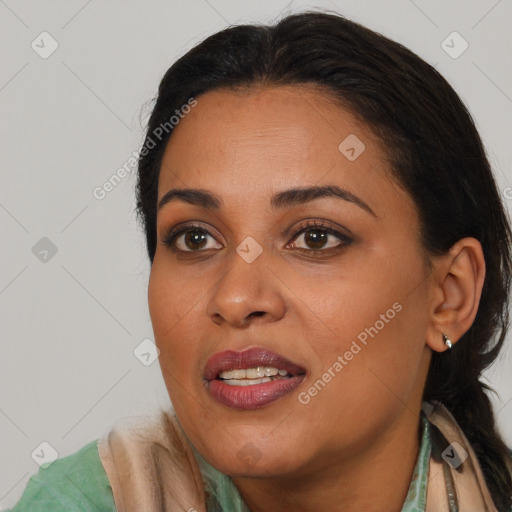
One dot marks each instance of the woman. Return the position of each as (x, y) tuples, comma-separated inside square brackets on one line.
[(323, 348)]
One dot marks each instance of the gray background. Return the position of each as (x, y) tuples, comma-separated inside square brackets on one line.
[(70, 321)]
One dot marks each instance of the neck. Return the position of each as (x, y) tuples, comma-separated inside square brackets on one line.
[(374, 480)]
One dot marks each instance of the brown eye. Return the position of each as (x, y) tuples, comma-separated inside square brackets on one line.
[(194, 239), (189, 239), (318, 238)]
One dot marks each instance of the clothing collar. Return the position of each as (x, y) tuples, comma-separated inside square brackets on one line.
[(417, 493)]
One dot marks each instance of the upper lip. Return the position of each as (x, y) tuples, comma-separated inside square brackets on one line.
[(248, 358)]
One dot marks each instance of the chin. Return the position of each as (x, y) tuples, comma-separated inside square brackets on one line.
[(255, 465), (250, 457)]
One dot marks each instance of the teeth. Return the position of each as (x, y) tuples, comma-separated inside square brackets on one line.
[(254, 374), (247, 382)]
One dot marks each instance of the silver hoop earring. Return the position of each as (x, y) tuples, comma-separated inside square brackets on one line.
[(447, 341)]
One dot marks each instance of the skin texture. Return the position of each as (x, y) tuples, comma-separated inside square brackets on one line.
[(353, 446)]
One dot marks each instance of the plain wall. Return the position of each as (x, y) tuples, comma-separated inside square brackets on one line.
[(69, 325)]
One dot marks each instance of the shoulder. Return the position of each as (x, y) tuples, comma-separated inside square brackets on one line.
[(77, 482)]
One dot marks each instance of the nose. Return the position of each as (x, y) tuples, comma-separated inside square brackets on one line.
[(246, 293)]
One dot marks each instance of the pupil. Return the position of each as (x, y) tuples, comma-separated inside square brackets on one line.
[(194, 236), (317, 240)]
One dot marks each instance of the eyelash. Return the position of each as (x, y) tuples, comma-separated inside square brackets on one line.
[(172, 235)]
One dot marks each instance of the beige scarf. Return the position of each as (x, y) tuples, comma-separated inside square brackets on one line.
[(153, 469)]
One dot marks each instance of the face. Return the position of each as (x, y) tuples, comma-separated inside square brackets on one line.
[(321, 294)]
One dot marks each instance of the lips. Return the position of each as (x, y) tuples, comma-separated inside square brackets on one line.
[(255, 395), (249, 358)]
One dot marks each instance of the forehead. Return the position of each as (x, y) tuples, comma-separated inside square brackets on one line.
[(288, 121), (264, 140)]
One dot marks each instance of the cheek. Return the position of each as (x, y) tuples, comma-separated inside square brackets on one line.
[(170, 300), (374, 323), (359, 303), (362, 386), (174, 308)]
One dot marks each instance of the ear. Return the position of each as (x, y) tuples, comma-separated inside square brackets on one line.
[(457, 282)]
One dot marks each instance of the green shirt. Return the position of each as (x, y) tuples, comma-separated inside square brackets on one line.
[(78, 483)]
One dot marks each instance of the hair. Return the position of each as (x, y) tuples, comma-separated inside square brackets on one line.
[(435, 154)]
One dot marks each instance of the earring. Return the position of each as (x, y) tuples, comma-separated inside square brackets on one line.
[(447, 341)]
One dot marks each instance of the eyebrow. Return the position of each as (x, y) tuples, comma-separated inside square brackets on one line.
[(284, 199)]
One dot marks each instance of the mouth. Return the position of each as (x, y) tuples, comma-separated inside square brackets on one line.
[(252, 378)]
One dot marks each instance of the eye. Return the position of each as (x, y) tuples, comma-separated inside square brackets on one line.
[(315, 235), (189, 238)]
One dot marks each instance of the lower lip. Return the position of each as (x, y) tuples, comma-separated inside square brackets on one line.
[(253, 396)]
